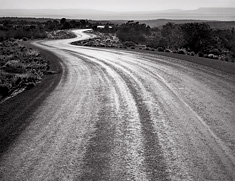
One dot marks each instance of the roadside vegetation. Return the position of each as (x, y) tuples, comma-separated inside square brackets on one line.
[(194, 39), (21, 67), (20, 28)]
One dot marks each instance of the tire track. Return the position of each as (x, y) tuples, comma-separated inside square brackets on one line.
[(97, 157), (179, 99), (126, 155), (154, 160)]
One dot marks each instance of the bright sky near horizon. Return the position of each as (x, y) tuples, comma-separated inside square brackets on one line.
[(115, 5)]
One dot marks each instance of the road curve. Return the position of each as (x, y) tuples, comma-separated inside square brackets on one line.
[(118, 115)]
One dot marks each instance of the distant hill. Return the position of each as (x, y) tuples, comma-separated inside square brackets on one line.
[(224, 14), (213, 24)]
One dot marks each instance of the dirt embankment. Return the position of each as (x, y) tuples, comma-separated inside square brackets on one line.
[(15, 111)]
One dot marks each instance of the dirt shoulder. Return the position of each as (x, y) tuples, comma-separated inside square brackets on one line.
[(14, 112)]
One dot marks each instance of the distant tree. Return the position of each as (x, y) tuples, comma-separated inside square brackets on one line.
[(167, 29), (83, 23), (129, 44), (49, 25), (73, 24), (94, 27), (225, 40), (172, 35), (197, 36), (7, 23), (2, 35), (133, 31), (62, 20), (66, 25)]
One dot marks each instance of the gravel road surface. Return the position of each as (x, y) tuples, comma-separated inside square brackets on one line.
[(117, 115)]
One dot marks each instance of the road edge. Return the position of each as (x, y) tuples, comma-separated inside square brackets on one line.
[(15, 112)]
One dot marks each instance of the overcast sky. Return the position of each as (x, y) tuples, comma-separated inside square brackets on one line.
[(114, 5)]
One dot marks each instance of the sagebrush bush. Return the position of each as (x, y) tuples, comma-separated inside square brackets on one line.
[(182, 52), (200, 54), (160, 49), (129, 44)]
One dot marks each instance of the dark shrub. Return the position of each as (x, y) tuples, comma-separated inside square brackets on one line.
[(160, 49), (200, 54), (129, 44), (215, 51), (182, 52)]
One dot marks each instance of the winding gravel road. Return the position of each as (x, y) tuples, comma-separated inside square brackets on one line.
[(118, 115)]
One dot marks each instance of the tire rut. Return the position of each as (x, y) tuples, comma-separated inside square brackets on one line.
[(156, 168), (97, 158)]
